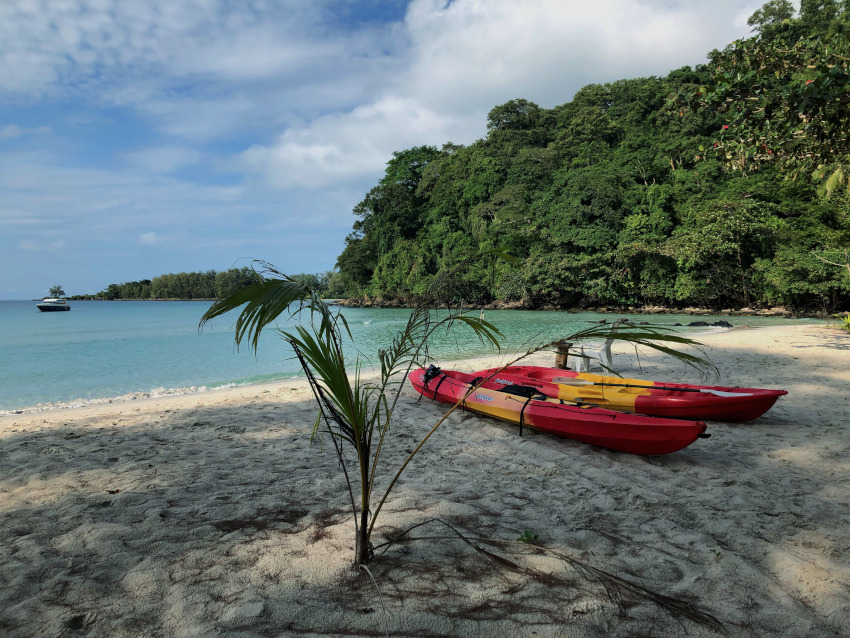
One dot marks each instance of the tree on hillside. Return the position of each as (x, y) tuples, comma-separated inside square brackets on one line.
[(785, 95), (513, 115), (716, 247), (56, 291), (769, 20)]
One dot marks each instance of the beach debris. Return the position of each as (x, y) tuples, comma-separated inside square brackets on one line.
[(619, 590)]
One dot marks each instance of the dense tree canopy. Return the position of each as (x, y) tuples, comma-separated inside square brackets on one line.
[(785, 96), (623, 196)]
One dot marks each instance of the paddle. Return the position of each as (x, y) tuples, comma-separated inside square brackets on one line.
[(719, 393)]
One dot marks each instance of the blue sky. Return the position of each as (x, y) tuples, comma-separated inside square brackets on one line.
[(139, 137)]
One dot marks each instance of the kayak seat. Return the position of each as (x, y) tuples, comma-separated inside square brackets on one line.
[(523, 391)]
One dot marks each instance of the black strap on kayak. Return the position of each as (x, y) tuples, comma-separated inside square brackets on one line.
[(472, 385), (522, 414), (431, 373), (443, 377)]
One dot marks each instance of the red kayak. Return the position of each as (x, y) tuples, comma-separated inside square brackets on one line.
[(527, 407), (677, 400)]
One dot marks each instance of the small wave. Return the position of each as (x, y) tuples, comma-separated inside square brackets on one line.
[(124, 398), (150, 394)]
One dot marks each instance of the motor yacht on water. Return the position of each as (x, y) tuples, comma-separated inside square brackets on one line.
[(52, 305)]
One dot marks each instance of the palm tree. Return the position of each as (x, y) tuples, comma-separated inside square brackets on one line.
[(355, 411)]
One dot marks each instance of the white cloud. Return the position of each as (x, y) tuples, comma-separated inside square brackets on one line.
[(467, 56), (14, 219), (47, 46), (43, 195), (349, 146), (115, 210), (343, 100), (12, 130)]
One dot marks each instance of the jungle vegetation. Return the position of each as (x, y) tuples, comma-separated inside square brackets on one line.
[(725, 185), (207, 284)]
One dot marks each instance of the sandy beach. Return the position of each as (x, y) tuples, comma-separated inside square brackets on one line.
[(212, 514)]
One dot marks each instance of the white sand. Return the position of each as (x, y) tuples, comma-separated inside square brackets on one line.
[(211, 514)]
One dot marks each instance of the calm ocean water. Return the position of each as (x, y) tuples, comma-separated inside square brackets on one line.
[(110, 348)]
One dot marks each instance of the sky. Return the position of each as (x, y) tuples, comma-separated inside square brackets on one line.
[(142, 137)]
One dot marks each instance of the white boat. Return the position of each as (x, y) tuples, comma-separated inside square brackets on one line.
[(52, 305)]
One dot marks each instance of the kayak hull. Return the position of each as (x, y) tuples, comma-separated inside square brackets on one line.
[(676, 400), (606, 428)]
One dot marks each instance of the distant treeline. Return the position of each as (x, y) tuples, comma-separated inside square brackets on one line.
[(207, 284)]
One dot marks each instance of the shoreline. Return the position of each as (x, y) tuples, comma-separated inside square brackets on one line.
[(162, 392), (377, 303), (775, 311), (212, 513)]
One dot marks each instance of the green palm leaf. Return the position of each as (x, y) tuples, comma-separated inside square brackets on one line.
[(660, 338), (268, 298)]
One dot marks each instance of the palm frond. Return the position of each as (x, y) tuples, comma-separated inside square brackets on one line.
[(353, 411), (838, 179), (657, 338), (483, 329), (325, 359), (272, 295), (264, 301)]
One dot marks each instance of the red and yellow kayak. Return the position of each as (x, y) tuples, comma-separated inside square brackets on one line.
[(677, 400), (528, 408)]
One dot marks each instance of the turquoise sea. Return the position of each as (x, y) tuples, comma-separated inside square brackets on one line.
[(104, 349)]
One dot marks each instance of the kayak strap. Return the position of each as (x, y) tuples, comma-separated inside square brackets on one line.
[(522, 414), (472, 385), (431, 373), (443, 377)]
